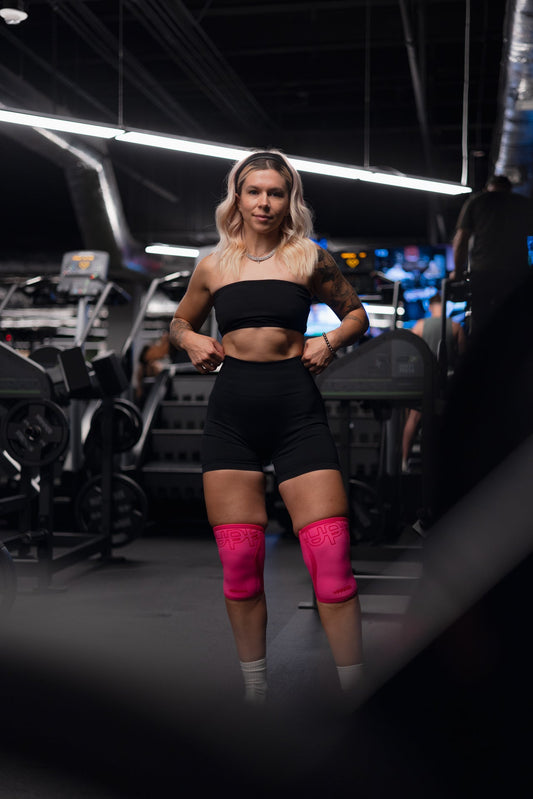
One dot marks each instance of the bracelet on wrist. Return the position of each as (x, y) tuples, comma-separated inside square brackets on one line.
[(330, 348)]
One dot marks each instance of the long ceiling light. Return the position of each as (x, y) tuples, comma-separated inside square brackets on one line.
[(192, 146), (301, 164), (212, 149), (59, 123), (375, 176)]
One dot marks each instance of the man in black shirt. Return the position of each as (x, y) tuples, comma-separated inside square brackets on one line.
[(491, 244)]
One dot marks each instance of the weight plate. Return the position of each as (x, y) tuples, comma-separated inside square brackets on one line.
[(35, 432), (127, 425), (47, 356), (129, 508)]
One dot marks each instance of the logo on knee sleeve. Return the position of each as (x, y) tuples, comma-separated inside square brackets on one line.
[(349, 587), (236, 536), (326, 532)]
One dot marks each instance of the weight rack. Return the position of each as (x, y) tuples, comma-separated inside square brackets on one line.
[(35, 432)]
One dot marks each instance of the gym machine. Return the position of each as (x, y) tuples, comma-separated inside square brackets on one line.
[(166, 456), (34, 435), (37, 394), (115, 422), (393, 371), (109, 499), (453, 291)]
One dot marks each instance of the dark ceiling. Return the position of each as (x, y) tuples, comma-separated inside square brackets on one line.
[(377, 83)]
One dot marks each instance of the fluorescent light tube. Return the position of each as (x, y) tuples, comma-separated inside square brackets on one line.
[(55, 123), (373, 176), (183, 145), (168, 249), (302, 165), (214, 150), (422, 184)]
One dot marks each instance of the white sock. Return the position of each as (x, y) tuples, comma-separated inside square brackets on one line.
[(255, 684), (350, 676)]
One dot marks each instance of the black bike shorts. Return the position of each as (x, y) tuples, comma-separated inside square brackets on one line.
[(267, 413)]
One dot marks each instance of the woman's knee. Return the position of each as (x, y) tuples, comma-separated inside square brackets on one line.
[(314, 496), (326, 552), (242, 552)]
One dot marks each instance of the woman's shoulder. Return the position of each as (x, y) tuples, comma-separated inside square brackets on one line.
[(209, 261), (325, 264), (323, 256), (206, 268)]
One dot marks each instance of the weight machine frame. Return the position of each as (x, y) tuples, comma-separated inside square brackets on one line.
[(37, 482)]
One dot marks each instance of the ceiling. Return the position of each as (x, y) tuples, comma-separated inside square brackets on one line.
[(379, 83)]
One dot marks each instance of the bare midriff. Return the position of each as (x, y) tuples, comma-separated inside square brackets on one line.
[(263, 344)]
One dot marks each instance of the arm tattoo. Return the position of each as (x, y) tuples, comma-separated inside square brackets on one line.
[(177, 328), (341, 297), (361, 321)]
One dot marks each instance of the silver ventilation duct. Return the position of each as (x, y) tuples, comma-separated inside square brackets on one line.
[(90, 178), (514, 132)]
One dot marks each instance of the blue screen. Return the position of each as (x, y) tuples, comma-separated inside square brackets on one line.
[(415, 267), (321, 319)]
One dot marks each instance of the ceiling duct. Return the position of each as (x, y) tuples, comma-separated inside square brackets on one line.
[(514, 131), (90, 177)]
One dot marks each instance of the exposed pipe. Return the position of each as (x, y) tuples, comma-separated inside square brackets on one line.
[(466, 89), (366, 145), (436, 226), (420, 102), (90, 177), (513, 143)]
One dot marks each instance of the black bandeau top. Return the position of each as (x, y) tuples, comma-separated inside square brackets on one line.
[(262, 303)]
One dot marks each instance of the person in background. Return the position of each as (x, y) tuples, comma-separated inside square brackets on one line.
[(430, 330), (490, 244), (265, 407), (153, 358)]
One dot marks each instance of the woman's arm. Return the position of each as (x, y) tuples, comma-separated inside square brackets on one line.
[(331, 287), (205, 352)]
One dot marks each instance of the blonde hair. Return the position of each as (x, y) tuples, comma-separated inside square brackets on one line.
[(296, 250)]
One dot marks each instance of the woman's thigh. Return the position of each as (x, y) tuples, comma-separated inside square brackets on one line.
[(314, 496), (234, 496)]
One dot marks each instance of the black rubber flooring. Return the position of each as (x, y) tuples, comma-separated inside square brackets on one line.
[(123, 681)]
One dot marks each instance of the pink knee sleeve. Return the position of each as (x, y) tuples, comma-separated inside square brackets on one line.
[(326, 552), (242, 551)]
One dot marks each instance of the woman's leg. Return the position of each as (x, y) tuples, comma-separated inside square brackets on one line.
[(235, 504), (316, 497)]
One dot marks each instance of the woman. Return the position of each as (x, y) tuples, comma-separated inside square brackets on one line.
[(265, 407)]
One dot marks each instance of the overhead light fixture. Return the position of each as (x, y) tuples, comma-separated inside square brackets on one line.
[(14, 13), (59, 123), (169, 249), (215, 150), (377, 176), (191, 146), (328, 169)]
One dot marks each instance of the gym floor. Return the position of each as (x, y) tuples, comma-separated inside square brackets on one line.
[(123, 678)]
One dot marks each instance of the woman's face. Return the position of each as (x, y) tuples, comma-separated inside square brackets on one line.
[(263, 201)]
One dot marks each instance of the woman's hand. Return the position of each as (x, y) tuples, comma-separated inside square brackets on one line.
[(206, 353), (316, 355)]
